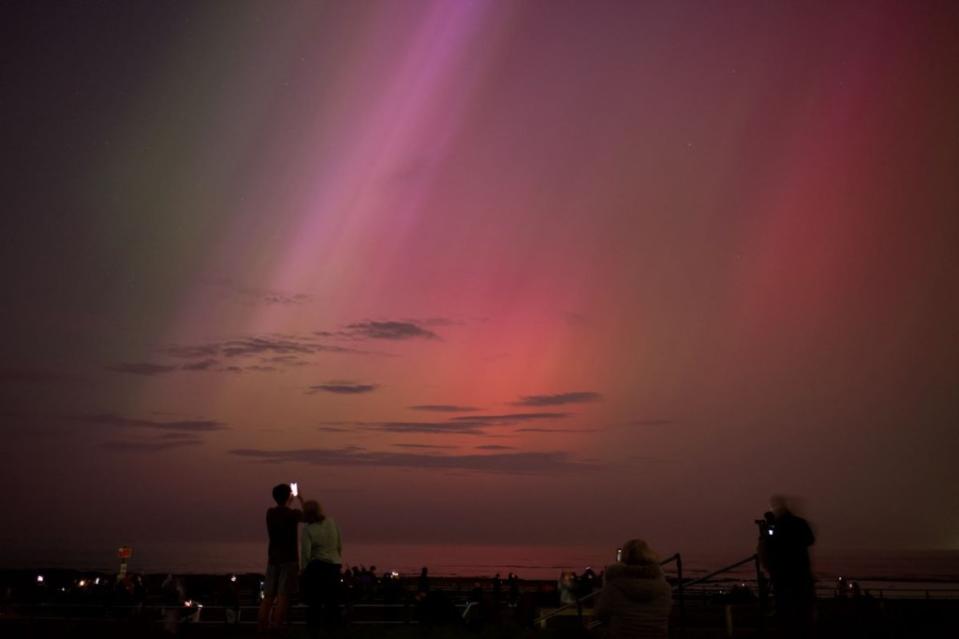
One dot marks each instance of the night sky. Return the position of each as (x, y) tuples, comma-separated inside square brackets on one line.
[(480, 272)]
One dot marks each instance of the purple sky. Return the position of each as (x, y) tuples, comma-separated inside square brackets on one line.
[(481, 272)]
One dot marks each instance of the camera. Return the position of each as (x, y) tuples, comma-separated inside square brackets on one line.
[(766, 525)]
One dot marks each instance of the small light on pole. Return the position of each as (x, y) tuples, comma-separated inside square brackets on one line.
[(124, 553)]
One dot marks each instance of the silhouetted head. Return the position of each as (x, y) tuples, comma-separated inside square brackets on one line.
[(281, 494), (779, 505), (425, 572), (637, 551), (312, 512)]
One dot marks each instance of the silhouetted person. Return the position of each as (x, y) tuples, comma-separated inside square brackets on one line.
[(587, 582), (321, 549), (476, 613), (567, 587), (423, 584), (282, 567), (173, 594), (784, 550), (636, 599), (512, 580)]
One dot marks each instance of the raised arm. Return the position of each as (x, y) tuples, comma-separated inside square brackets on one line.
[(296, 505)]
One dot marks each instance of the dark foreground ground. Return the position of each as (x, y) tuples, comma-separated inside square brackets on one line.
[(837, 619), (73, 604)]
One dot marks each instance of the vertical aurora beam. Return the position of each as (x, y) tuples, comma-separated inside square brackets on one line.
[(346, 216)]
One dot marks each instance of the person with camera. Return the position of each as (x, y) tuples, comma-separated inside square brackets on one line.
[(784, 541)]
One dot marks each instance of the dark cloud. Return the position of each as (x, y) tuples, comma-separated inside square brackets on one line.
[(260, 368), (425, 446), (556, 430), (286, 360), (149, 446), (332, 429), (461, 425), (575, 397), (435, 321), (192, 352), (200, 365), (390, 330), (141, 368), (645, 459), (494, 447), (285, 300), (341, 388), (177, 435), (512, 463), (117, 421), (33, 376), (509, 418), (651, 422), (277, 349), (262, 296), (267, 346), (435, 428), (444, 408)]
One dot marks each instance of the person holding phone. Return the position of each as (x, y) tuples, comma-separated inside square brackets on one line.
[(282, 567)]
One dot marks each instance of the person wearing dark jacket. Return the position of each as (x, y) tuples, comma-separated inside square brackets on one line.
[(636, 598), (784, 551), (282, 568)]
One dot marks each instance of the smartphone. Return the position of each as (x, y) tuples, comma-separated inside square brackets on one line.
[(293, 489)]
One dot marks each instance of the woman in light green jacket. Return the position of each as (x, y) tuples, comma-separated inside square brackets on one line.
[(321, 550)]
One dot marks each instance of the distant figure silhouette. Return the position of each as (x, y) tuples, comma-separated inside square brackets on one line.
[(321, 549), (784, 550), (636, 598), (282, 567), (566, 585), (512, 581), (173, 596), (423, 584)]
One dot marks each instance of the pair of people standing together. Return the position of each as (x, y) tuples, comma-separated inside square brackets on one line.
[(320, 557)]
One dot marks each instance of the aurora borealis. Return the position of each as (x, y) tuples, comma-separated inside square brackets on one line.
[(481, 272)]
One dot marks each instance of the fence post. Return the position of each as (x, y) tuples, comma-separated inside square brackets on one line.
[(761, 593), (682, 593)]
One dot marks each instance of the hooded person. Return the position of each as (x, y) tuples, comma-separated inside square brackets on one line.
[(636, 598)]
